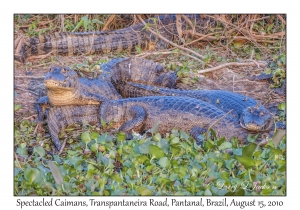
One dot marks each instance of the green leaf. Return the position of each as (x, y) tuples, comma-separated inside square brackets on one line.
[(79, 24), (145, 147), (249, 149), (183, 135), (141, 159), (281, 106), (121, 136), (207, 192), (224, 175), (239, 192), (278, 137), (175, 140), (156, 152), (266, 191), (270, 27), (85, 137), (17, 107), (225, 145), (175, 150), (32, 175), (116, 177), (94, 147), (97, 21), (40, 151), (56, 172), (94, 135), (144, 191), (85, 22), (156, 137), (245, 161), (164, 162)]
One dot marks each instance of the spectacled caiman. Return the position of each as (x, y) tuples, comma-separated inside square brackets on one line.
[(65, 87), (99, 42), (140, 114), (252, 115)]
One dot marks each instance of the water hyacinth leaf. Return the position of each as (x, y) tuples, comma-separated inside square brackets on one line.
[(266, 191), (156, 137), (225, 145), (175, 140), (40, 151), (164, 162), (32, 175), (85, 137), (224, 175), (249, 149), (127, 149), (278, 137), (207, 192), (144, 191), (156, 152), (94, 147), (116, 177), (56, 172), (239, 192), (121, 136), (183, 135), (94, 135), (141, 159), (245, 161), (175, 150)]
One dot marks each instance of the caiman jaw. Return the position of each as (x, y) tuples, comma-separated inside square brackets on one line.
[(253, 127), (52, 85)]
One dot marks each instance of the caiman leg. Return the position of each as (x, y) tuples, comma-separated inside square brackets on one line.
[(137, 114), (195, 132), (42, 104)]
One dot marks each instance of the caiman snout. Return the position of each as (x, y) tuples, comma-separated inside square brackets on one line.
[(256, 118)]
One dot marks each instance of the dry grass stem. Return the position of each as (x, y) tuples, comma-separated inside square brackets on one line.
[(110, 19), (168, 41), (236, 64)]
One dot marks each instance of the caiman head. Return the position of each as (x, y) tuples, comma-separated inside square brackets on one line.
[(60, 79), (256, 118)]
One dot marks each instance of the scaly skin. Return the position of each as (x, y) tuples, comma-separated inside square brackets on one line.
[(252, 116), (99, 42), (140, 114), (143, 71), (64, 87)]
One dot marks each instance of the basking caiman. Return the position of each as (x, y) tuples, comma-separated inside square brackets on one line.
[(251, 114), (140, 114), (130, 38), (65, 87)]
